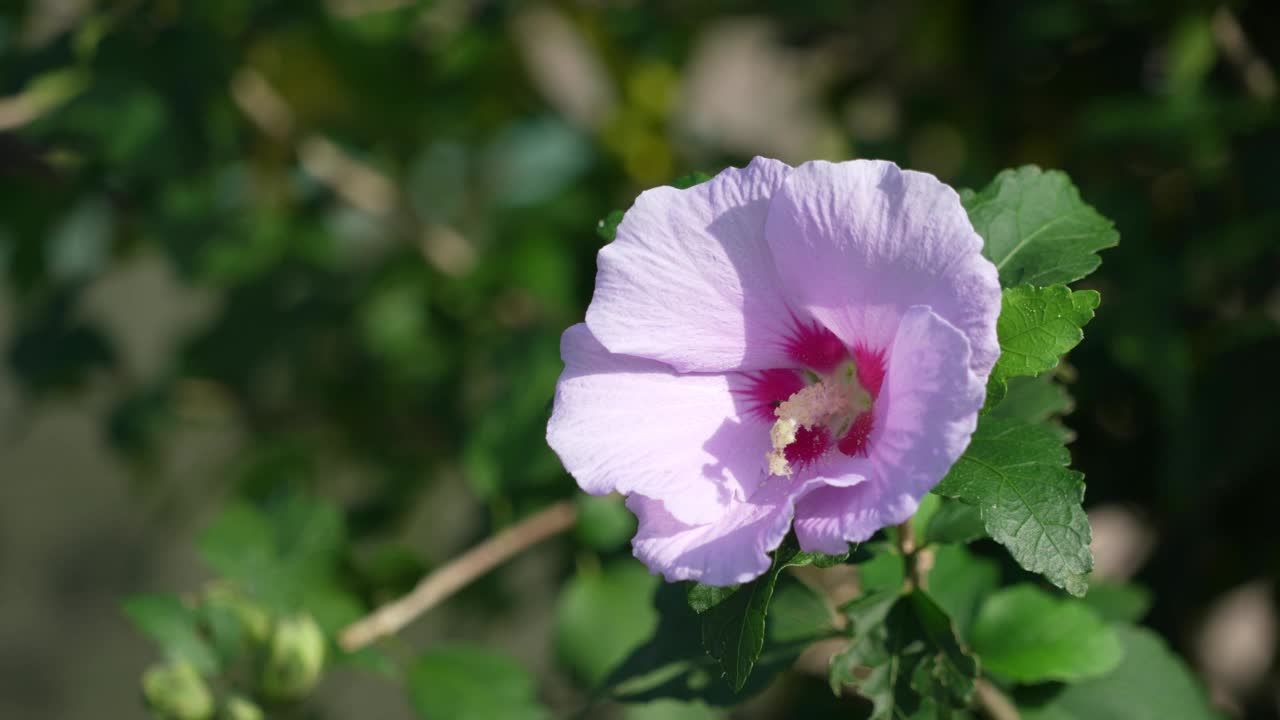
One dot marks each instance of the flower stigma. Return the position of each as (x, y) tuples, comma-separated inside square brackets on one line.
[(834, 401)]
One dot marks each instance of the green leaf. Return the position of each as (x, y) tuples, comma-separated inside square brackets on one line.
[(607, 227), (1036, 227), (798, 614), (234, 624), (868, 649), (1037, 399), (1015, 474), (227, 635), (602, 615), (1118, 601), (704, 597), (331, 604), (733, 628), (817, 559), (947, 673), (673, 650), (904, 657), (240, 545), (1036, 327), (173, 626), (286, 557), (929, 505), (959, 581), (685, 182), (733, 621), (604, 523), (954, 522), (465, 683), (883, 571), (1028, 635), (1151, 683), (672, 663)]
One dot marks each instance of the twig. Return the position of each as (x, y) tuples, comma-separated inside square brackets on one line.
[(994, 703), (923, 564), (906, 538), (1254, 71), (458, 573), (356, 182), (919, 559)]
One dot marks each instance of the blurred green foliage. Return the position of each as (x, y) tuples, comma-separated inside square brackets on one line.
[(390, 211)]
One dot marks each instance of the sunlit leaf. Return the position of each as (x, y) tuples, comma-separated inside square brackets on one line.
[(1036, 327), (1151, 683), (1028, 635), (1037, 229), (1015, 474), (466, 683), (173, 626)]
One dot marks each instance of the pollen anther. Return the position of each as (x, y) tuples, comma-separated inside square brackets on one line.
[(835, 399)]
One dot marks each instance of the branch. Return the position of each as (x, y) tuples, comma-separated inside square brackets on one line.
[(1254, 71), (994, 703), (918, 558), (458, 573)]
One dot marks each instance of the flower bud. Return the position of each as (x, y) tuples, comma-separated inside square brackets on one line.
[(177, 692), (239, 708), (294, 658)]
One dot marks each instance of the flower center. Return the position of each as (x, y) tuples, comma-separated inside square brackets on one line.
[(835, 401)]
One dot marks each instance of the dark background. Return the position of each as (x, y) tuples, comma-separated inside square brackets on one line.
[(250, 249)]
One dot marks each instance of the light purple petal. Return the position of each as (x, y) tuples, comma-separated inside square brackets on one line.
[(839, 470), (829, 518), (690, 279), (924, 418), (733, 549), (633, 425), (857, 243)]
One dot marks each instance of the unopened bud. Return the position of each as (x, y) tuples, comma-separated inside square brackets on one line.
[(177, 692), (294, 658), (239, 708)]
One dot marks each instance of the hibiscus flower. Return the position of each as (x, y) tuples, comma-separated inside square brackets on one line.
[(777, 345)]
